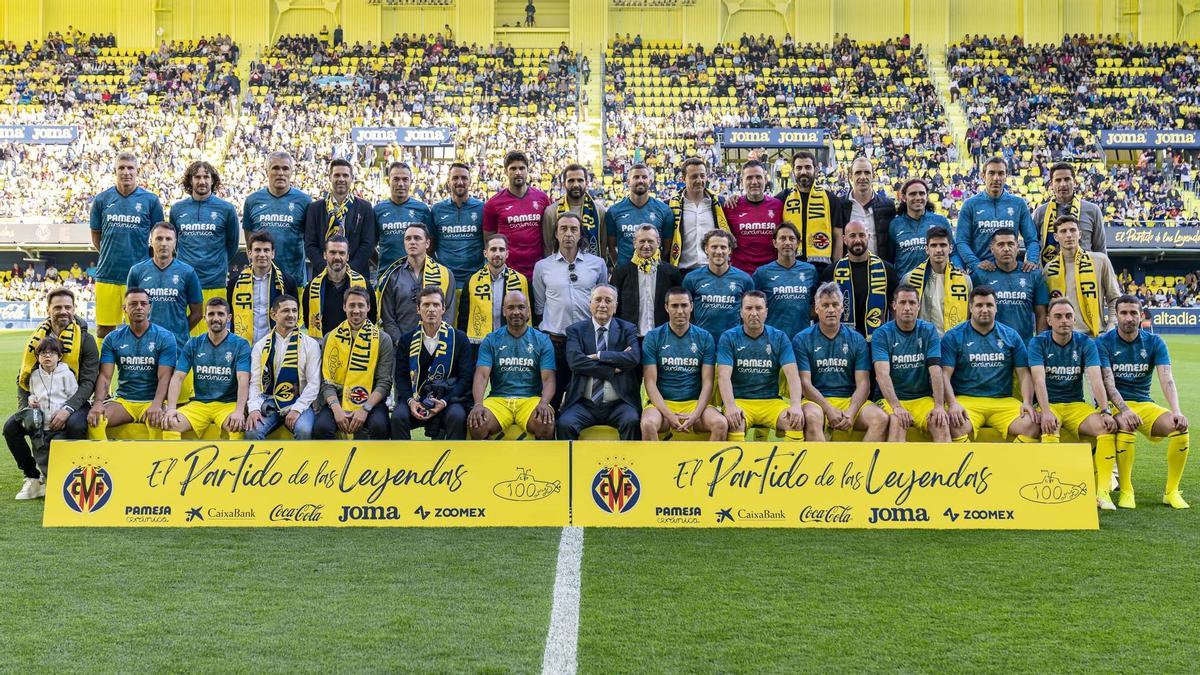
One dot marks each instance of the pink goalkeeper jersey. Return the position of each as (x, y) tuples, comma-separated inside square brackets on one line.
[(753, 225), (519, 219)]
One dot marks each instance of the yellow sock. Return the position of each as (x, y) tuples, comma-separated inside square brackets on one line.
[(1106, 454), (1048, 438), (961, 439), (1022, 438), (1124, 460), (794, 435), (98, 432), (1177, 452), (737, 436)]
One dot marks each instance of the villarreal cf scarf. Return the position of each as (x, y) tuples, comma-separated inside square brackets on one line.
[(70, 342), (443, 357), (337, 216), (718, 216), (479, 291), (876, 294), (432, 274), (954, 293), (350, 359), (591, 222), (243, 301), (316, 291), (283, 386), (1049, 243), (1087, 286), (813, 220)]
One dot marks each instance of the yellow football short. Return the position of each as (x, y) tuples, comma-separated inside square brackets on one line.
[(919, 408), (762, 412), (1071, 415), (110, 304), (1149, 411), (510, 411), (677, 407), (997, 413), (203, 415), (136, 409), (207, 294)]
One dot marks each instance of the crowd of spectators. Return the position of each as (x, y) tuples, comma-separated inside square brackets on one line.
[(1158, 291), (27, 284)]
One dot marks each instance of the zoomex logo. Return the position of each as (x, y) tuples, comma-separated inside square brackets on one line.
[(87, 488), (616, 489)]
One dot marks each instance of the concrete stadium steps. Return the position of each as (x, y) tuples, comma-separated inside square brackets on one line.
[(591, 126), (954, 113)]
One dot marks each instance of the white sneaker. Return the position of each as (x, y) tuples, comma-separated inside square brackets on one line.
[(1116, 484), (29, 490), (42, 488)]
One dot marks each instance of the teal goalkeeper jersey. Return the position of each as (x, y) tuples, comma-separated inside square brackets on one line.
[(516, 362), (171, 290), (909, 356), (137, 360), (1133, 363), (756, 362), (832, 362), (283, 217), (215, 367), (679, 360), (124, 224), (1065, 364), (983, 364), (208, 237)]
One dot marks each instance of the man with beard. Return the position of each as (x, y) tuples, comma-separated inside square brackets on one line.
[(285, 376), (357, 367), (279, 208), (517, 361), (208, 230), (394, 214), (867, 282), (340, 214), (576, 199), (908, 230), (516, 212), (752, 219), (457, 234), (868, 207), (625, 217), (818, 214), (220, 361), (323, 299), (697, 211)]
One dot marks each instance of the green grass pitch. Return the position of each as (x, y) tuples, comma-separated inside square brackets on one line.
[(456, 600)]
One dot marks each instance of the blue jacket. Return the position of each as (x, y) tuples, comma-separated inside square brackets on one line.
[(581, 341), (982, 215)]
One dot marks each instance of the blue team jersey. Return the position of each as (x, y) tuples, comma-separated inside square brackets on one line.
[(982, 215), (171, 290), (208, 237), (1064, 364), (983, 364), (718, 299), (679, 360), (137, 360), (908, 356), (516, 363), (622, 221), (215, 367), (458, 237), (757, 362), (391, 220), (908, 240), (789, 294), (1017, 293), (832, 363), (283, 217), (1133, 363), (124, 225)]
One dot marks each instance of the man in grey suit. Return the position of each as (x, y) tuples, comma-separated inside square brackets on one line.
[(605, 375)]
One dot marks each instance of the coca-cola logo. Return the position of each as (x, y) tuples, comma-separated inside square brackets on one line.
[(303, 513)]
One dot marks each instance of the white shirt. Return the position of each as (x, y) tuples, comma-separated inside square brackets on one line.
[(864, 214), (610, 394), (430, 343), (697, 222), (309, 373), (646, 281), (261, 305), (498, 299)]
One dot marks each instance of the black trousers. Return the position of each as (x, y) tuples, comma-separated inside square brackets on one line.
[(584, 413), (376, 428), (23, 453), (562, 371), (448, 425)]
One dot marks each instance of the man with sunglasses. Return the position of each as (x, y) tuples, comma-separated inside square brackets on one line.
[(562, 288)]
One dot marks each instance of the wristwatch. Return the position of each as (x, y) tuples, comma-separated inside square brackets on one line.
[(368, 407)]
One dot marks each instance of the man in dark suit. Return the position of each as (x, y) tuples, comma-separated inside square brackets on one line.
[(340, 213), (644, 281), (434, 371), (875, 210), (605, 376)]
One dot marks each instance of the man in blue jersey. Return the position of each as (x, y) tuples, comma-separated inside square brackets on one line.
[(751, 358), (173, 285), (788, 283), (834, 362), (978, 360), (907, 354), (577, 199), (717, 288), (1021, 293), (908, 229), (142, 355), (279, 209), (120, 222), (678, 369), (991, 210), (220, 363), (518, 362), (1130, 357), (208, 230), (457, 233), (394, 214), (1059, 360), (623, 219), (942, 289)]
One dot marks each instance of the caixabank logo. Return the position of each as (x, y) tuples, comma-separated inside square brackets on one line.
[(616, 488), (87, 488)]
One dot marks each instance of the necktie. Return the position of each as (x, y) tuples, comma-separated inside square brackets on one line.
[(597, 383)]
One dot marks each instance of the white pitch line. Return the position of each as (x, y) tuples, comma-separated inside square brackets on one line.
[(562, 640)]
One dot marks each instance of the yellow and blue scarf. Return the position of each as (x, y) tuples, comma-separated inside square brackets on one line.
[(243, 301), (71, 350), (813, 220), (591, 221), (337, 216), (433, 274), (316, 291), (676, 205), (479, 292), (954, 292), (443, 357), (1087, 287), (876, 297), (350, 358), (284, 388), (1049, 242)]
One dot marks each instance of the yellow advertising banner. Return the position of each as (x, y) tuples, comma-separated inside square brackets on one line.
[(846, 485), (296, 483)]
